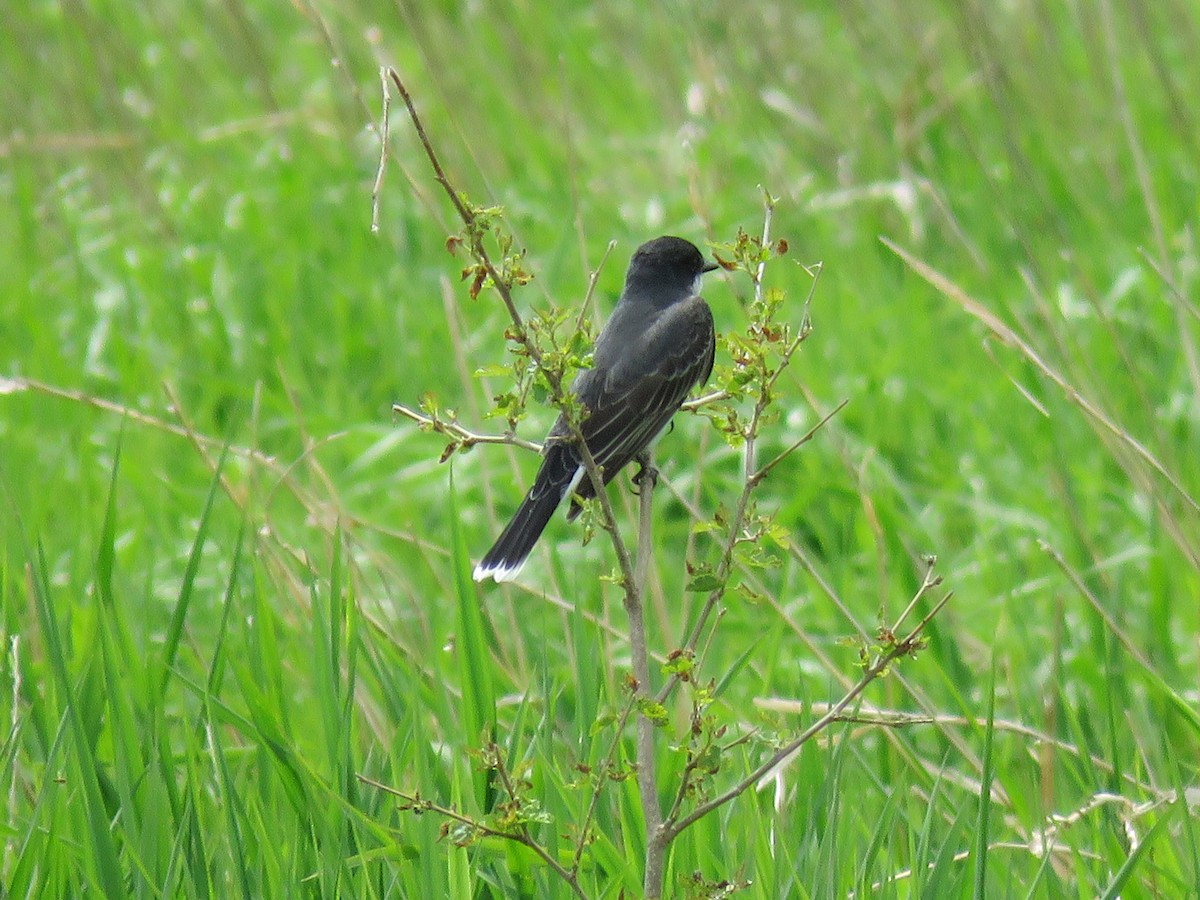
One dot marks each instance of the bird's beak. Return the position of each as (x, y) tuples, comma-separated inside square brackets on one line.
[(711, 267)]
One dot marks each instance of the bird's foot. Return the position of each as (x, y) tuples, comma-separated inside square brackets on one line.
[(647, 474)]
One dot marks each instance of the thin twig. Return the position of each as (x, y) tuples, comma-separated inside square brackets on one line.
[(685, 783), (601, 780), (702, 655), (808, 436), (768, 215), (647, 481), (878, 717), (928, 583), (377, 188), (419, 804), (593, 279), (785, 360), (468, 219), (705, 400), (493, 751), (461, 435), (438, 172), (693, 764)]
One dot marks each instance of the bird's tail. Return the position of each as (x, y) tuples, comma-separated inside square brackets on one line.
[(554, 482)]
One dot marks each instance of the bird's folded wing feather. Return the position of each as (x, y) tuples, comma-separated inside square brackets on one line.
[(629, 406)]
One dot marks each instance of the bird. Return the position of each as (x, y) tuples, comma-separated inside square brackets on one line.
[(657, 346)]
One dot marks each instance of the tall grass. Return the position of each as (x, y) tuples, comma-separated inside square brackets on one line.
[(230, 584)]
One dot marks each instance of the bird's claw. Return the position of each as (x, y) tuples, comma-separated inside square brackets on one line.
[(648, 473)]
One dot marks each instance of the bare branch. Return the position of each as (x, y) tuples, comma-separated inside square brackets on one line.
[(468, 219), (461, 435)]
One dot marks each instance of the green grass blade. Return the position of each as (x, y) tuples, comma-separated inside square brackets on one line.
[(187, 587), (475, 665), (982, 832), (104, 854)]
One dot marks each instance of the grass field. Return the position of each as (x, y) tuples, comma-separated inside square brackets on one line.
[(231, 583)]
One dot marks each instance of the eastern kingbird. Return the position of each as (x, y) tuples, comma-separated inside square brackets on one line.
[(656, 347)]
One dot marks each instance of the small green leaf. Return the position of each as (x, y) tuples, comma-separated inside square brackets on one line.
[(704, 582), (655, 712), (750, 595), (679, 664), (496, 370), (601, 723)]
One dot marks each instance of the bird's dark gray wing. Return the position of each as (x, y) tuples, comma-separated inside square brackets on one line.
[(630, 404)]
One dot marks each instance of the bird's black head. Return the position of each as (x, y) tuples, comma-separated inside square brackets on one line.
[(669, 266)]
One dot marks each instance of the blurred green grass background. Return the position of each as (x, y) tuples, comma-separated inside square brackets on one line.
[(196, 664)]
